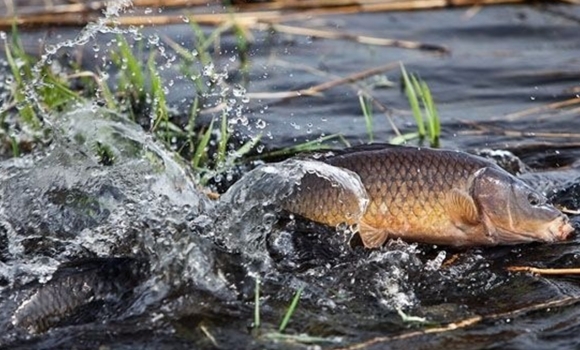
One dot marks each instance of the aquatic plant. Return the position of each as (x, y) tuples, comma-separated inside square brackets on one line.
[(138, 90), (52, 87), (423, 108), (367, 110), (290, 310)]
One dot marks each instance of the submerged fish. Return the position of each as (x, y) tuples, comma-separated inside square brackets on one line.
[(431, 196)]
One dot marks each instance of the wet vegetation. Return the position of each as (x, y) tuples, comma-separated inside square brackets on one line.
[(116, 142)]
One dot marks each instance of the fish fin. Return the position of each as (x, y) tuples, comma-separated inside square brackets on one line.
[(462, 208), (372, 237)]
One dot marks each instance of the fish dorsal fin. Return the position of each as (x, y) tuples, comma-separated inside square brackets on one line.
[(372, 237), (462, 209)]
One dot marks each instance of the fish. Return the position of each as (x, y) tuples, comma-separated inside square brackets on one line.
[(434, 196), (78, 290)]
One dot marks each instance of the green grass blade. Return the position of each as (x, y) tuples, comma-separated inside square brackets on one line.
[(368, 114), (107, 95), (257, 304), (201, 147), (134, 69), (160, 110), (433, 116), (201, 51), (191, 123), (223, 141), (413, 102), (26, 111), (247, 147), (15, 147), (403, 138), (290, 310)]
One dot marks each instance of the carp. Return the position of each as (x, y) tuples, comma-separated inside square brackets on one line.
[(431, 196)]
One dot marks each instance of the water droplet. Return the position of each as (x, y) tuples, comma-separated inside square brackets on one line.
[(153, 40), (238, 91), (261, 124), (50, 49), (295, 126)]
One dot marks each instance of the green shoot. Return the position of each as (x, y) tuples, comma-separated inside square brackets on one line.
[(412, 319), (247, 147), (243, 45), (257, 304), (431, 113), (202, 44), (131, 79), (191, 124), (201, 147), (223, 141), (414, 102), (159, 108), (290, 310), (21, 69), (132, 67), (367, 110), (106, 94), (419, 95), (404, 138), (15, 147)]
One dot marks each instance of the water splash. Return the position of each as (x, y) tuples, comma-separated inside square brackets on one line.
[(248, 210)]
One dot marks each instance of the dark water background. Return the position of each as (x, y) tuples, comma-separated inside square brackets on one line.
[(172, 285)]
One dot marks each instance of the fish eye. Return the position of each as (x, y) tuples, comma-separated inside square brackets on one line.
[(534, 199)]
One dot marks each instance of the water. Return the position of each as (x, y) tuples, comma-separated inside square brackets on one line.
[(129, 253)]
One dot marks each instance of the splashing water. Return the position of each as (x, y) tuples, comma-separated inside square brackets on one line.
[(247, 211)]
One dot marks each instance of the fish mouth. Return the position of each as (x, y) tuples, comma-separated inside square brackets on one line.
[(560, 229), (556, 230)]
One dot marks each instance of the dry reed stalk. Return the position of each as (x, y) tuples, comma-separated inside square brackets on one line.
[(450, 327), (361, 39), (539, 109), (316, 90), (352, 78), (541, 271), (372, 5), (521, 134), (94, 6), (81, 14), (388, 112), (467, 322)]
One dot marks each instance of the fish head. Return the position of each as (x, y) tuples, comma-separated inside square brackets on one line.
[(513, 212)]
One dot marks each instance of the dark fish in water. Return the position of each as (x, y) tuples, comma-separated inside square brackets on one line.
[(431, 196), (74, 288)]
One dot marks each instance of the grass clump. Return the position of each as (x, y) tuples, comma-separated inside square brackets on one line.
[(133, 85), (52, 88), (423, 108), (367, 109)]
